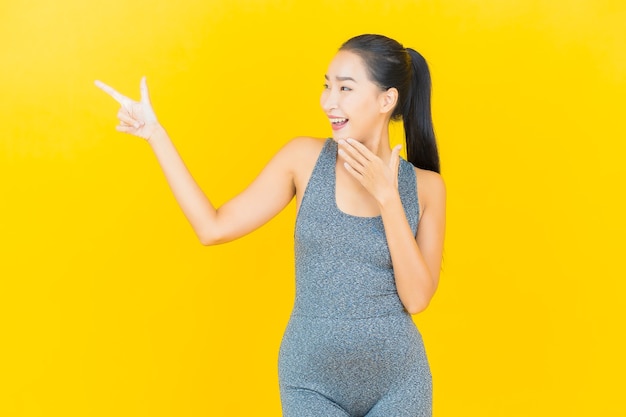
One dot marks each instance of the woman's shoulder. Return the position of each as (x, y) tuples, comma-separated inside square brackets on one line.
[(430, 185), (302, 149), (305, 144), (430, 177), (301, 154)]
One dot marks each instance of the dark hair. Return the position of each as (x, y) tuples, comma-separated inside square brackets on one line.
[(390, 65)]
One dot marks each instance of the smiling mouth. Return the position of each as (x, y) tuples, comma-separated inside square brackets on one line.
[(338, 123)]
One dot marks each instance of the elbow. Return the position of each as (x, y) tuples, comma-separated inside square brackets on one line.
[(205, 241), (209, 238), (419, 299), (417, 306)]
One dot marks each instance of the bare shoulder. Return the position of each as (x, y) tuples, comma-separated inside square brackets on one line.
[(295, 153), (303, 147), (431, 188), (302, 153)]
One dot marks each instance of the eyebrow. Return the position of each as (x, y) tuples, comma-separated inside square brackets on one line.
[(342, 78)]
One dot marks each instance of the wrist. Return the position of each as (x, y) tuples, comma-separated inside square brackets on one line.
[(390, 196), (156, 134)]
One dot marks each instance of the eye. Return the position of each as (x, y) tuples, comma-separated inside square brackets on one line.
[(325, 86), (346, 89)]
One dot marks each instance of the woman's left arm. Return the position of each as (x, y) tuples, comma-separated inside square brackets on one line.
[(416, 259)]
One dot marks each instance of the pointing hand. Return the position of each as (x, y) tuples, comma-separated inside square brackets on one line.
[(136, 117)]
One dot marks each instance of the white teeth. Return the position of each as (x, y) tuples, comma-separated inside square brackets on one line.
[(336, 121)]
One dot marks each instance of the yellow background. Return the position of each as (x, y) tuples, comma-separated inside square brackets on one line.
[(110, 307)]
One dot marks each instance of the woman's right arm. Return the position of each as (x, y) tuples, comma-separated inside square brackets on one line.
[(267, 195)]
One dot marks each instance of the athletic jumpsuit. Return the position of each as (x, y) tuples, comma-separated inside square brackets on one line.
[(350, 348)]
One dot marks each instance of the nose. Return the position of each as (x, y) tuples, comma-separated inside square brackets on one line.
[(328, 100)]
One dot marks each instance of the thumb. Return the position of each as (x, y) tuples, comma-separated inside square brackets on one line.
[(145, 101), (143, 87)]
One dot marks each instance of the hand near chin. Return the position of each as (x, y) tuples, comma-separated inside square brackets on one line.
[(136, 117), (378, 177)]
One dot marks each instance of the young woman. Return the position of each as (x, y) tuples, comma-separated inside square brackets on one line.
[(368, 237)]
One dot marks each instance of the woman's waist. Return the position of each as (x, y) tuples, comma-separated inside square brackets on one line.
[(339, 328), (349, 309)]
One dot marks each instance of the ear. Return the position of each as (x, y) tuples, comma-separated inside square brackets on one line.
[(388, 100)]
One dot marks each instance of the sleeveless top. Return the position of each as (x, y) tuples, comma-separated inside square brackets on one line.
[(343, 264)]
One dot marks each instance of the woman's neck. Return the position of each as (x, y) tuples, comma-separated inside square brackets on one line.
[(379, 144)]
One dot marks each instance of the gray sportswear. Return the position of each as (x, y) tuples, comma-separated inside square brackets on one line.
[(350, 348)]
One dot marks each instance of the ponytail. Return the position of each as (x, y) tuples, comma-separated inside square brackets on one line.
[(421, 146)]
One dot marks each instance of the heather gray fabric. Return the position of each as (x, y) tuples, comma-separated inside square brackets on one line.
[(350, 349)]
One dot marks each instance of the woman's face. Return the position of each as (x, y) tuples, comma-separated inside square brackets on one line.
[(351, 100)]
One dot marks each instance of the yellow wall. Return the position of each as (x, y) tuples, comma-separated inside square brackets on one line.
[(109, 306)]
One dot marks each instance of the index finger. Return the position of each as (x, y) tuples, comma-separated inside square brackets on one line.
[(120, 98), (360, 147)]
